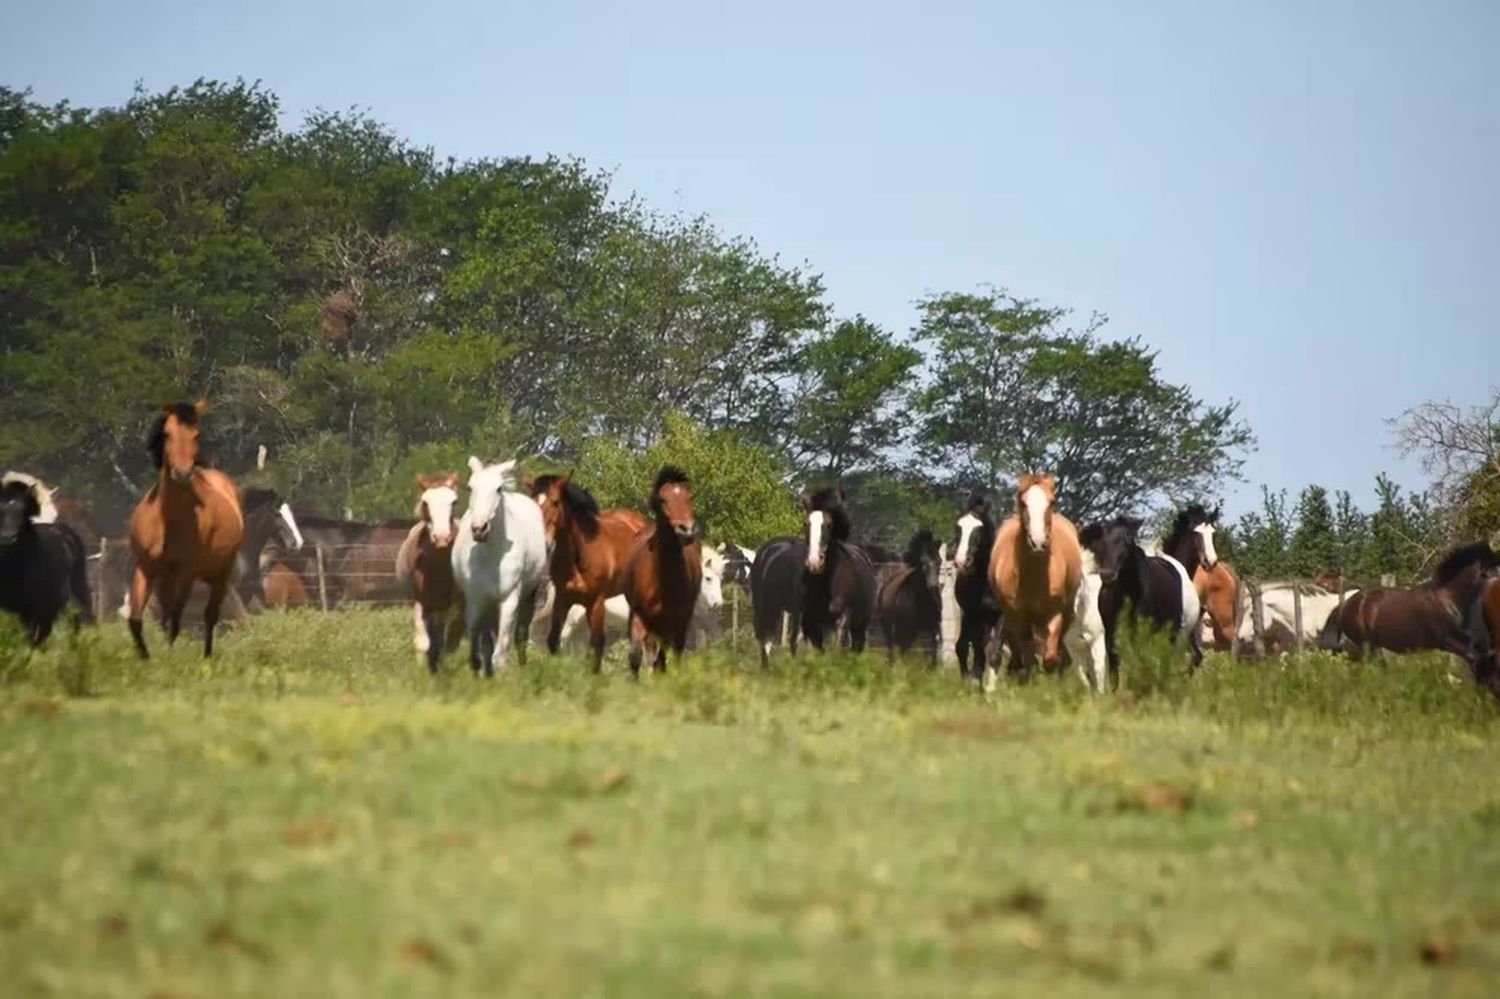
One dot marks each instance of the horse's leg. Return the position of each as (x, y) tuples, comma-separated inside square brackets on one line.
[(505, 630), (561, 604), (637, 643), (474, 614), (525, 612), (140, 592), (432, 638), (217, 588), (596, 630), (420, 633), (961, 647)]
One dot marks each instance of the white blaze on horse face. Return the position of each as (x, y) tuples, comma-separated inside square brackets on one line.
[(1035, 501), (291, 525), (815, 541), (967, 525), (484, 496), (1210, 557), (440, 502)]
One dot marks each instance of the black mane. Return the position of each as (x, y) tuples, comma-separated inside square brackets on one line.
[(978, 503), (156, 441), (579, 501), (1461, 558), (921, 547), (254, 497), (1187, 518)]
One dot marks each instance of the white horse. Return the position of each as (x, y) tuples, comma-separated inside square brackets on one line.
[(499, 562), (1085, 635), (617, 610), (1279, 612)]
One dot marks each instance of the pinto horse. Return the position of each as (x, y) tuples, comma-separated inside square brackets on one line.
[(979, 611), (1152, 588), (1430, 616), (425, 561), (187, 527), (663, 572), (589, 548), (1035, 567), (1191, 543), (909, 597), (838, 582), (42, 563)]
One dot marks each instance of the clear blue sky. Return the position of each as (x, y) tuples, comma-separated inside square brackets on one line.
[(1298, 203)]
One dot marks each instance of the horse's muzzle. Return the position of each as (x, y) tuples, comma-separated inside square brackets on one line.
[(481, 532), (182, 476), (686, 532)]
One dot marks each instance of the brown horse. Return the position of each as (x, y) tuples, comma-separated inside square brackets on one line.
[(426, 562), (187, 527), (1218, 591), (1430, 616), (1035, 568), (662, 573), (1485, 627), (589, 547), (283, 586)]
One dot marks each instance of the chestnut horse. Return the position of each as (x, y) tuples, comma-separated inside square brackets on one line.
[(1191, 543), (1431, 616), (425, 561), (1035, 568), (589, 547), (187, 527), (663, 572)]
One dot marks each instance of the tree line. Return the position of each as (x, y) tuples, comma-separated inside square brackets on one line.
[(364, 310)]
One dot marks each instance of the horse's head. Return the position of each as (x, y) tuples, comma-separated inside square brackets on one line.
[(1463, 567), (923, 553), (970, 532), (550, 493), (1194, 526), (1035, 496), (174, 439), (18, 504), (672, 502), (487, 485), (268, 503), (737, 564), (1111, 544), (711, 592), (437, 506), (824, 523)]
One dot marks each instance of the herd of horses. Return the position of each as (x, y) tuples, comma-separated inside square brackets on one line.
[(1031, 588)]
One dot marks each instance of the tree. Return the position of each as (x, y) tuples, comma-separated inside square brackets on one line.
[(1011, 390), (1262, 539), (1459, 446), (1314, 542), (846, 403)]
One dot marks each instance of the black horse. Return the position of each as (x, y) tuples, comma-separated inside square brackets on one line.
[(1191, 539), (838, 579), (909, 597), (267, 517), (42, 566), (776, 592), (1153, 588), (979, 611)]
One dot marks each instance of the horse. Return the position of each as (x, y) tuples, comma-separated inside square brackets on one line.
[(909, 597), (1034, 571), (1156, 588), (776, 593), (838, 581), (1278, 601), (1086, 639), (1484, 623), (1430, 616), (500, 564), (663, 571), (267, 518), (617, 610), (1191, 542), (42, 497), (738, 560), (42, 563), (187, 527), (588, 549), (425, 561), (283, 586), (979, 611)]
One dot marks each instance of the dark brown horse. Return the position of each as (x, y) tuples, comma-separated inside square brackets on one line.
[(663, 571), (908, 598), (425, 561), (1430, 616), (187, 527), (1485, 628), (589, 547)]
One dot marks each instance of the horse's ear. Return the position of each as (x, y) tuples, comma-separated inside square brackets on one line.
[(450, 479), (528, 483), (1090, 534), (806, 501), (1134, 523), (421, 480), (565, 479), (201, 406), (838, 491), (475, 465), (1213, 517)]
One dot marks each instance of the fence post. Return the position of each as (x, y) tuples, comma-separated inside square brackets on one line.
[(734, 618), (1297, 616), (322, 579), (1234, 621), (1258, 617), (1387, 579), (101, 600), (948, 632)]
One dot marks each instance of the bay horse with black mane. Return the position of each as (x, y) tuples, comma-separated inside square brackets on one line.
[(979, 611), (663, 572), (909, 597), (838, 582), (42, 564), (187, 527), (589, 548), (1035, 568), (1435, 615)]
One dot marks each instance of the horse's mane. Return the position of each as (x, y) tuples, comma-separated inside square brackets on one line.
[(1187, 518), (830, 500), (919, 547), (669, 475), (156, 442), (1461, 558), (979, 505), (579, 501), (254, 497)]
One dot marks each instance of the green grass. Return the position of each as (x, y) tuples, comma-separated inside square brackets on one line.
[(311, 814)]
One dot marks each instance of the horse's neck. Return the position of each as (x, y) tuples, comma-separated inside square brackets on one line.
[(260, 524), (670, 554)]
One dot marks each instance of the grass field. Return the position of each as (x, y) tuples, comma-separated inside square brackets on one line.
[(310, 814)]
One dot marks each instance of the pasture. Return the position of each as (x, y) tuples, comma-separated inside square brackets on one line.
[(310, 813)]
